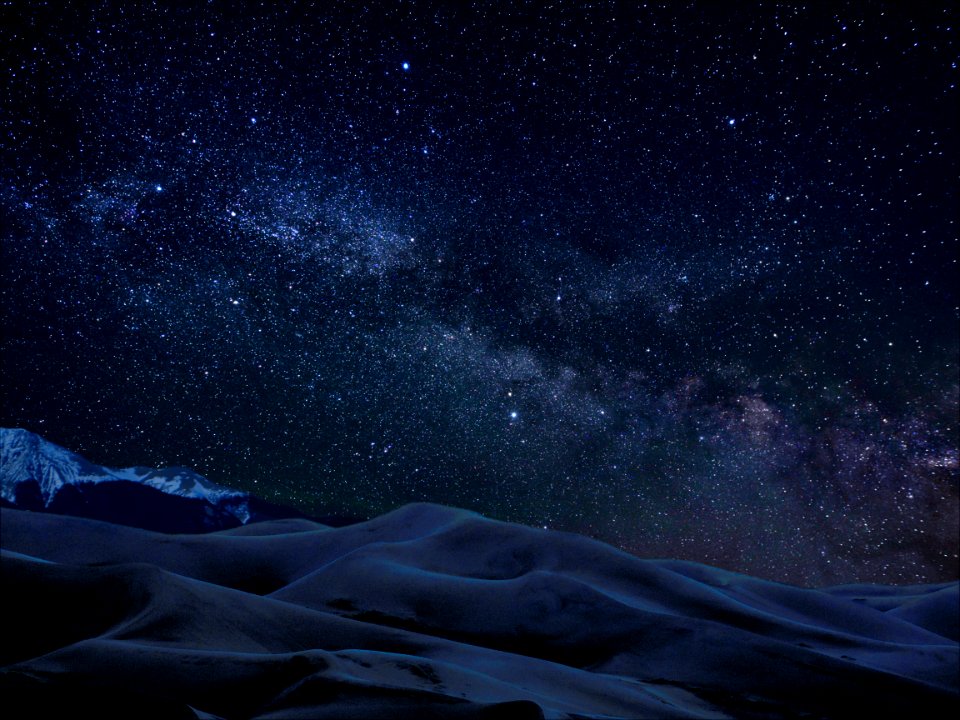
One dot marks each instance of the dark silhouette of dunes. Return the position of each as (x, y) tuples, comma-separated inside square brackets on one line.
[(429, 612)]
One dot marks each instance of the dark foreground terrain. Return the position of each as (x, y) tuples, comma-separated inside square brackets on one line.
[(433, 612)]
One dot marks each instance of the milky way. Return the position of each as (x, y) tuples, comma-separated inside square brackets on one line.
[(681, 279)]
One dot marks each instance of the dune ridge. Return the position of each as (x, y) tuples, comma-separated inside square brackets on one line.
[(430, 611)]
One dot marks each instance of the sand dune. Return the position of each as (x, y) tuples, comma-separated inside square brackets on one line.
[(430, 611)]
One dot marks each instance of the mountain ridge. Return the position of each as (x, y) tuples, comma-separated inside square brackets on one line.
[(26, 456), (38, 475)]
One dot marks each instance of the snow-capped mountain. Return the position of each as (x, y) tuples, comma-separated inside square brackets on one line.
[(36, 474), (27, 457)]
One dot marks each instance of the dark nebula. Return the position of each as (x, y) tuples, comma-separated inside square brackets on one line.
[(679, 278)]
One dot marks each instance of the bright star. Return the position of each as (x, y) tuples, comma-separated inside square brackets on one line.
[(731, 122), (513, 414), (406, 66)]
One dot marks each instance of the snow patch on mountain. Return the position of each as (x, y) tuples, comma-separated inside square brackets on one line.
[(26, 457)]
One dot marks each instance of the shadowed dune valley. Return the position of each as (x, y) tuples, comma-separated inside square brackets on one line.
[(424, 612)]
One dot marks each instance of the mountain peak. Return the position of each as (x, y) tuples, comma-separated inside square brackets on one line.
[(26, 457)]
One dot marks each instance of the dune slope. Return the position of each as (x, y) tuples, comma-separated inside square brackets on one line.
[(430, 611)]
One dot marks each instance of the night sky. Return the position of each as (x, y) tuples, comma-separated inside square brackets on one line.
[(680, 278)]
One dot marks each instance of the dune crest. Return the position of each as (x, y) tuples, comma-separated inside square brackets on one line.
[(430, 611)]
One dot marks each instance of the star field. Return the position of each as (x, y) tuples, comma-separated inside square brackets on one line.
[(681, 278)]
